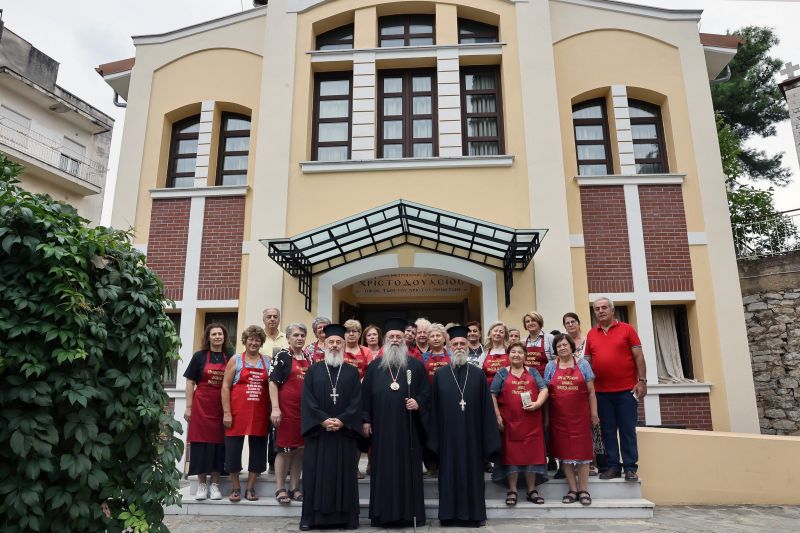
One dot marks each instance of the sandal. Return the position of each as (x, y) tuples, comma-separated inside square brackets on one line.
[(584, 497), (283, 500), (511, 498), (236, 495), (533, 497), (570, 497), (296, 495), (250, 495)]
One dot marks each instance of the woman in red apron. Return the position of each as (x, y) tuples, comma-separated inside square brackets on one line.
[(354, 353), (206, 436), (573, 412), (537, 345), (496, 355), (245, 403), (371, 339), (437, 355), (285, 390), (519, 394), (313, 351)]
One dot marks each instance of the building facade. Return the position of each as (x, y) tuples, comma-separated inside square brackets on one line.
[(458, 160), (62, 141)]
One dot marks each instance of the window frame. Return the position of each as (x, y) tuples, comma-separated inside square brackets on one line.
[(316, 144), (224, 135), (336, 41), (407, 35), (175, 139), (660, 139), (408, 116), (465, 116), (603, 121), (488, 30)]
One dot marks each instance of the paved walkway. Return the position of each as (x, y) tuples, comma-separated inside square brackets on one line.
[(667, 519)]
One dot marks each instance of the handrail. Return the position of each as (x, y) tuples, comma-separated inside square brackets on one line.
[(775, 235)]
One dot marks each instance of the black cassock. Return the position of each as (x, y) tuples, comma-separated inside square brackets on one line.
[(464, 440), (330, 461), (395, 492)]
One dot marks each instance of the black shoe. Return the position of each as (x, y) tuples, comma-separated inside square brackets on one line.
[(551, 465), (630, 475), (610, 474), (304, 527)]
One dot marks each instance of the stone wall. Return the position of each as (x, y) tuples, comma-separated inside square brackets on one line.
[(771, 298)]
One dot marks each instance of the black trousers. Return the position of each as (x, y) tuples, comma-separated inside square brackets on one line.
[(257, 459)]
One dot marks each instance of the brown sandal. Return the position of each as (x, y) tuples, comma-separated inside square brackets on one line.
[(584, 497), (250, 495), (534, 497), (283, 500), (236, 495), (570, 497), (511, 498), (296, 495)]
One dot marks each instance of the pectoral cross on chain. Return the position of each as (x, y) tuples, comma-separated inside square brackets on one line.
[(334, 396), (462, 403)]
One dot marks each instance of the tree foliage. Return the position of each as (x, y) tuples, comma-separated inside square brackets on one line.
[(83, 415)]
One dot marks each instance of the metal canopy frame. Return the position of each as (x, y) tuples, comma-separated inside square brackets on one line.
[(402, 222)]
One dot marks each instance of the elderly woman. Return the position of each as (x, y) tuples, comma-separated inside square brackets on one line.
[(538, 345), (354, 353), (514, 335), (496, 355), (518, 394), (245, 404), (314, 350), (371, 338), (437, 355), (573, 412), (204, 411), (572, 324), (285, 389)]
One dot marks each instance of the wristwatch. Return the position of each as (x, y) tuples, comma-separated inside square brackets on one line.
[(643, 380)]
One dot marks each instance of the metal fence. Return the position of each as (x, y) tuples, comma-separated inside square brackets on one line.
[(771, 236), (51, 152)]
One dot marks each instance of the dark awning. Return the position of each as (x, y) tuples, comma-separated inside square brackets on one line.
[(403, 222)]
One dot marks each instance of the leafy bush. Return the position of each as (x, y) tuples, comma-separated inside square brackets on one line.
[(84, 418)]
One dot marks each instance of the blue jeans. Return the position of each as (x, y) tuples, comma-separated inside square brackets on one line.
[(618, 413)]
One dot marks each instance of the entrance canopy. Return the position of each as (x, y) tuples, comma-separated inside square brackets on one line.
[(403, 222)]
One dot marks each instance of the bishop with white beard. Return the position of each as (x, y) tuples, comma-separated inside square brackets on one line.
[(331, 423), (395, 399)]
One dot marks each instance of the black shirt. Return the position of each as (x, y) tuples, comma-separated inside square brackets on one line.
[(198, 364)]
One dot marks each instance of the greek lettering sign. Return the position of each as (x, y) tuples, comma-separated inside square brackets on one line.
[(398, 285)]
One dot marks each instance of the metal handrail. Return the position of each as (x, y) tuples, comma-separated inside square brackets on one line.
[(778, 234), (51, 152)]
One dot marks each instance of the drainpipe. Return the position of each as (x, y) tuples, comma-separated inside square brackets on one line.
[(117, 102)]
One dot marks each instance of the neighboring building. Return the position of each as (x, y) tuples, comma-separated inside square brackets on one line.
[(62, 141), (790, 87), (391, 157)]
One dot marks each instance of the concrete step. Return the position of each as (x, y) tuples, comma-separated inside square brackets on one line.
[(495, 509)]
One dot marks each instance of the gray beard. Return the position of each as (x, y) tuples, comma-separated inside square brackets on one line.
[(394, 356), (334, 358), (458, 358)]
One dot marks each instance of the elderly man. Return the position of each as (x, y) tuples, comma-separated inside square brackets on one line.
[(314, 351), (276, 340), (621, 381), (463, 431), (395, 399), (331, 424)]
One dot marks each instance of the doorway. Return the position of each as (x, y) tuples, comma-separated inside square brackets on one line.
[(378, 313)]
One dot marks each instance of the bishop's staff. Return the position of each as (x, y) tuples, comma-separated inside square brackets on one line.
[(411, 442)]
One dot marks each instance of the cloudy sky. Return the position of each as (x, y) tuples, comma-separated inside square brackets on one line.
[(83, 34)]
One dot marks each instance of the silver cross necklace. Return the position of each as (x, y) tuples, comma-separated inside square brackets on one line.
[(461, 389), (333, 394)]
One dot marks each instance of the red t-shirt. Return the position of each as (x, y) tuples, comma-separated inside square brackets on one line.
[(612, 358)]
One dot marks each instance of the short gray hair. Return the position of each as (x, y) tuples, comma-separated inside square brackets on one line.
[(319, 320), (296, 325), (606, 298)]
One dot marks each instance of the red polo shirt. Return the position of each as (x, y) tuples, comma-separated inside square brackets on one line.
[(612, 358)]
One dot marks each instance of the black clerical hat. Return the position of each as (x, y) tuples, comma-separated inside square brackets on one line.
[(334, 330), (398, 324), (458, 331)]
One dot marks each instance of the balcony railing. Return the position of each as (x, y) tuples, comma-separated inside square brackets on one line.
[(51, 152), (771, 236)]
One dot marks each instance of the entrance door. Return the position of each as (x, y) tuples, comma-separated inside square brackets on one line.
[(435, 312)]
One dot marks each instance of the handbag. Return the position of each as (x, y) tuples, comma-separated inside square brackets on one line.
[(597, 441)]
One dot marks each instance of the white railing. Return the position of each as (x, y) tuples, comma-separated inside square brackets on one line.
[(771, 236), (51, 152)]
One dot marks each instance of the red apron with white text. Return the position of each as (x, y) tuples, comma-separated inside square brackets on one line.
[(358, 360), (570, 415), (523, 432), (415, 353), (536, 357), (288, 434), (434, 362), (492, 364), (250, 402), (206, 422), (318, 354)]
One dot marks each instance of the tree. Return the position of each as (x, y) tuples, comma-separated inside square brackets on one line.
[(84, 422)]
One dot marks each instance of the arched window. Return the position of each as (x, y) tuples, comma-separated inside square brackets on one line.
[(340, 38), (590, 123), (234, 147), (471, 31), (183, 152), (647, 131), (407, 30)]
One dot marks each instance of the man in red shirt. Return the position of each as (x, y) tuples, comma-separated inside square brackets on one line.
[(615, 353)]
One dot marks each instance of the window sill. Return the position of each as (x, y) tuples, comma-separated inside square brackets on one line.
[(406, 52), (194, 192), (679, 388), (631, 179), (409, 163)]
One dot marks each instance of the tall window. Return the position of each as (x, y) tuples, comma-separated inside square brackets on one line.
[(336, 39), (648, 138), (183, 152), (332, 112), (590, 122), (470, 31), (407, 30), (481, 108), (234, 146), (407, 114), (673, 348), (72, 154)]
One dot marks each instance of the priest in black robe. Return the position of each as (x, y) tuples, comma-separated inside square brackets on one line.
[(463, 432), (331, 423), (395, 396)]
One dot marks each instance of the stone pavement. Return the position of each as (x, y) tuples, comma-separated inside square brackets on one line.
[(666, 519)]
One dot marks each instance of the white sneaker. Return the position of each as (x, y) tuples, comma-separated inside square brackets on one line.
[(214, 493), (202, 491)]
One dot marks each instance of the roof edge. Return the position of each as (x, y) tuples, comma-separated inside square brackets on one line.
[(200, 27), (662, 13)]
